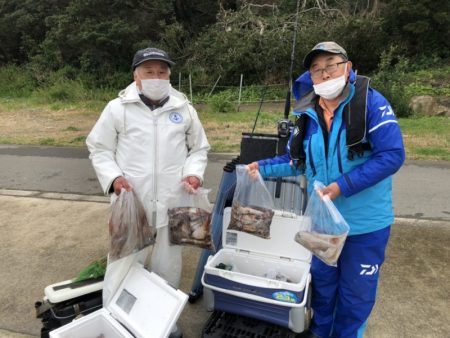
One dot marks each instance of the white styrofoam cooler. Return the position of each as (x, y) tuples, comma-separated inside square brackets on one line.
[(65, 290), (248, 289), (145, 305)]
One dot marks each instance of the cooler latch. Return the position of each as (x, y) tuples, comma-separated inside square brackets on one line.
[(244, 251), (287, 259)]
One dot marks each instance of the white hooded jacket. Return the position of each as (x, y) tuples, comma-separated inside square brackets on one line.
[(154, 150)]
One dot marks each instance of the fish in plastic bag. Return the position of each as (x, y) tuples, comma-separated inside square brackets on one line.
[(128, 227), (252, 219), (323, 229), (190, 218), (252, 208), (326, 247)]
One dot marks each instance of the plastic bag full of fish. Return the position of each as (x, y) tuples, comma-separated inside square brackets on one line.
[(190, 226), (251, 219), (326, 247)]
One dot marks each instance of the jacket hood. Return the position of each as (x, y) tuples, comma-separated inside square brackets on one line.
[(303, 85), (304, 92)]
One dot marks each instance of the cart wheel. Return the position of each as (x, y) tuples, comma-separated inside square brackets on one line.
[(308, 309), (194, 296)]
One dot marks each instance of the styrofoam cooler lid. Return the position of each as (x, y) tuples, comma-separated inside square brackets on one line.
[(280, 244), (146, 304)]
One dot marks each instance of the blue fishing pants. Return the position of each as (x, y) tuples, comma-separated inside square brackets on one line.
[(343, 296)]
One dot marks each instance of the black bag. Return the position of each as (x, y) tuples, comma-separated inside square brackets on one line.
[(256, 147), (54, 315)]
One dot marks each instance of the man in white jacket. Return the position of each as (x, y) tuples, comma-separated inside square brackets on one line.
[(150, 139)]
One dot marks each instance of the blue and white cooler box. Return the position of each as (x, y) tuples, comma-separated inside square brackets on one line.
[(250, 287), (144, 306)]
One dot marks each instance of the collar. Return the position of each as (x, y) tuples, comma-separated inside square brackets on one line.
[(149, 103), (326, 107), (303, 85), (308, 101), (131, 95)]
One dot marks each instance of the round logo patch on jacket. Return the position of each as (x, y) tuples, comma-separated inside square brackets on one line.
[(175, 117)]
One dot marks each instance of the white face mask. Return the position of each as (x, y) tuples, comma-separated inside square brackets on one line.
[(331, 89), (156, 89)]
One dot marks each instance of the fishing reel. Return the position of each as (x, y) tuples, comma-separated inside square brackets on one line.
[(284, 128)]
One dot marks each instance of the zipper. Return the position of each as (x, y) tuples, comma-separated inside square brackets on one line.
[(311, 160), (155, 152), (338, 145)]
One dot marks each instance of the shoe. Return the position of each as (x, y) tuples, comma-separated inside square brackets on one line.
[(306, 334), (176, 334)]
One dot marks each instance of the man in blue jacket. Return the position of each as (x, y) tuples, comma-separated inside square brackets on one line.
[(346, 135)]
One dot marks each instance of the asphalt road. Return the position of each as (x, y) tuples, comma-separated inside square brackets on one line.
[(48, 240), (69, 170), (421, 189)]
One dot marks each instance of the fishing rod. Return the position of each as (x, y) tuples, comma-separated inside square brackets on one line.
[(259, 109), (284, 126)]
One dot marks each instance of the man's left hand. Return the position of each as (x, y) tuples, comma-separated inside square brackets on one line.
[(192, 183), (332, 191)]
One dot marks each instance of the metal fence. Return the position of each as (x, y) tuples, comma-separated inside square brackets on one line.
[(236, 93)]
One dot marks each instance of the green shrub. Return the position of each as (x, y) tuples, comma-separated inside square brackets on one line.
[(63, 90), (222, 102), (391, 80), (16, 81), (270, 93), (429, 76), (112, 79)]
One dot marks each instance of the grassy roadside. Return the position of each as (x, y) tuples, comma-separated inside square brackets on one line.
[(426, 137), (34, 123)]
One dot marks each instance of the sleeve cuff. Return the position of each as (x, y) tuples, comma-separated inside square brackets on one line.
[(194, 175), (343, 186)]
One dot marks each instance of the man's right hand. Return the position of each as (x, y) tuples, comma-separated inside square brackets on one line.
[(253, 169), (119, 183)]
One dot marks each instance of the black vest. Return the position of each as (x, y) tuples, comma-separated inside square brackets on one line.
[(355, 117)]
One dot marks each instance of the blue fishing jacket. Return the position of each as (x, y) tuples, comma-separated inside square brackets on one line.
[(365, 181)]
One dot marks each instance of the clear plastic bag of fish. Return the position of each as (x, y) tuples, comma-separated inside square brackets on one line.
[(128, 227), (190, 218), (252, 208), (323, 230)]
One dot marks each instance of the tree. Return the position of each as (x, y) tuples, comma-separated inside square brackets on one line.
[(97, 38), (22, 27), (242, 42), (100, 38), (195, 15), (420, 27)]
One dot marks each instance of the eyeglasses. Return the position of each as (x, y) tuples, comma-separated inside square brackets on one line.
[(330, 69)]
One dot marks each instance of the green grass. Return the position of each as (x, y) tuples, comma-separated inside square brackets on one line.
[(245, 117), (72, 128), (426, 137), (78, 139), (48, 141)]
